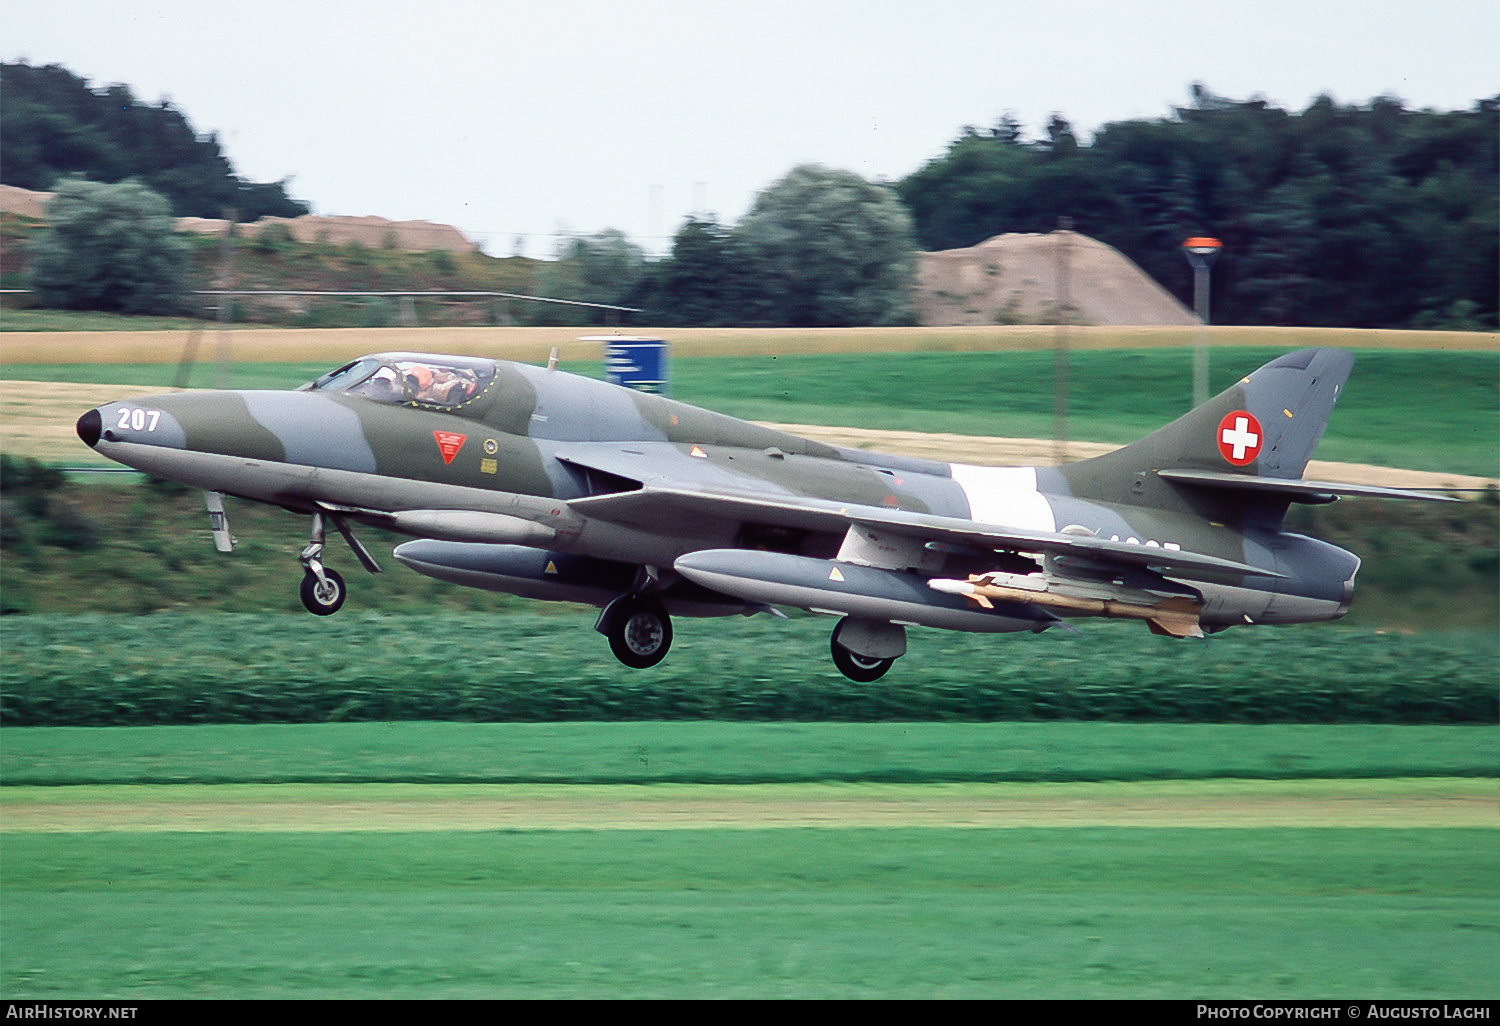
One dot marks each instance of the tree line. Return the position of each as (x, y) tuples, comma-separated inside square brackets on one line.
[(1367, 215), (820, 247), (54, 125)]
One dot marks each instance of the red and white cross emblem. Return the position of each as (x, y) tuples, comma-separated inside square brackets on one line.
[(1240, 438)]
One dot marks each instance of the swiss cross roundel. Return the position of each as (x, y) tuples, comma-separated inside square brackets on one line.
[(1240, 438)]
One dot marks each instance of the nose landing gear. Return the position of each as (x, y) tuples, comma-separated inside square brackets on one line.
[(323, 590)]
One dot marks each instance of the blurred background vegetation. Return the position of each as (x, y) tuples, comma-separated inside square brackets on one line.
[(1357, 215), (55, 125)]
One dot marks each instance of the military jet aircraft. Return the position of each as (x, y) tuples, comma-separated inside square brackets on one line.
[(541, 483)]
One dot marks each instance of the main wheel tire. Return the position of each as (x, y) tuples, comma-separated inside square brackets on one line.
[(326, 596), (641, 633), (856, 667)]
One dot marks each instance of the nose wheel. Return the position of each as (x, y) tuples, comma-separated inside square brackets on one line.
[(323, 592)]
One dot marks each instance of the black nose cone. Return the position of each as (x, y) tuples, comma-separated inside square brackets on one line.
[(89, 426)]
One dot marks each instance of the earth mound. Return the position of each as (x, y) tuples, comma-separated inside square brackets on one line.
[(1020, 279)]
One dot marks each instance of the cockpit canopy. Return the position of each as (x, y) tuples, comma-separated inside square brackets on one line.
[(446, 382)]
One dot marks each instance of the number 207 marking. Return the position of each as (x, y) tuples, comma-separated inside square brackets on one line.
[(137, 419)]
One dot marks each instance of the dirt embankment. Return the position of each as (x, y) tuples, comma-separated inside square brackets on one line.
[(1042, 279), (387, 807), (374, 232)]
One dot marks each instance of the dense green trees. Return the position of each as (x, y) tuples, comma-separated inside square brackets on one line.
[(708, 280), (831, 249), (605, 267), (54, 125), (1363, 215), (820, 247), (109, 247)]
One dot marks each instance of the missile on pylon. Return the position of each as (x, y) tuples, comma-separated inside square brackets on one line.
[(1175, 615)]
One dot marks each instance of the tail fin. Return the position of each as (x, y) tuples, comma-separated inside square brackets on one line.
[(1265, 426)]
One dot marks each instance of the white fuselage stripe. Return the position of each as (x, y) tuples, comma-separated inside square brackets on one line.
[(1005, 496)]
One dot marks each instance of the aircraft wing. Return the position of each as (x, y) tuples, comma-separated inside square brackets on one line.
[(654, 504)]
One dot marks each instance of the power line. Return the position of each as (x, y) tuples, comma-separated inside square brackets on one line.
[(411, 294)]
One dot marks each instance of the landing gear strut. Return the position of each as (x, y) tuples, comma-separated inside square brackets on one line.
[(638, 628), (323, 590)]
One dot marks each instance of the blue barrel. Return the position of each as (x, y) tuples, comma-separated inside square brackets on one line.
[(639, 363)]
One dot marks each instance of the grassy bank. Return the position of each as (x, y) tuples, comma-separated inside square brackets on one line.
[(657, 752), (295, 668)]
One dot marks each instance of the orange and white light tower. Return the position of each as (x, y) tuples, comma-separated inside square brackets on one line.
[(1201, 252)]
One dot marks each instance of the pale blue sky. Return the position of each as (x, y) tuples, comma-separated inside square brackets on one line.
[(528, 118)]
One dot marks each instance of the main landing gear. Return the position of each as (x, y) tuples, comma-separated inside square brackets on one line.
[(323, 590), (863, 650), (637, 624), (638, 628)]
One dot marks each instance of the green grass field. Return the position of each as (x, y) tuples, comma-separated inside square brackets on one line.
[(17, 319), (1083, 913), (1424, 410), (1277, 907)]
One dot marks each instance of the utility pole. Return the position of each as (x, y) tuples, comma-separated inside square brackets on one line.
[(1064, 235), (1201, 254), (226, 301)]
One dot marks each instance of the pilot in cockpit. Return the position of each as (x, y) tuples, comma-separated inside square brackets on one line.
[(383, 386)]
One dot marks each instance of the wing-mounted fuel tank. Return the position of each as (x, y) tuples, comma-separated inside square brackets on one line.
[(556, 576)]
